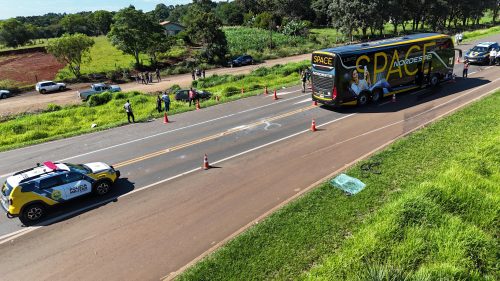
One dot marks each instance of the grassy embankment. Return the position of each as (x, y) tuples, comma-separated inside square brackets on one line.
[(432, 213), (57, 122)]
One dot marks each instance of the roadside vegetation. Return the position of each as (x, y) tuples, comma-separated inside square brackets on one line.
[(106, 110), (431, 214)]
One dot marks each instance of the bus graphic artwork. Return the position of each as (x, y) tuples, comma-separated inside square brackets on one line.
[(356, 74)]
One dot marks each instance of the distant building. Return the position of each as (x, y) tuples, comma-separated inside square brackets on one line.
[(172, 28)]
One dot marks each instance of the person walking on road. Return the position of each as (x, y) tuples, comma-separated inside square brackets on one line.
[(158, 77), (158, 104), (304, 81), (203, 72), (128, 109), (493, 55), (191, 96), (460, 38), (466, 69), (457, 42), (166, 100), (497, 58), (143, 80)]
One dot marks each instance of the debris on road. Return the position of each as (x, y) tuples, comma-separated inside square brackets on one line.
[(348, 184)]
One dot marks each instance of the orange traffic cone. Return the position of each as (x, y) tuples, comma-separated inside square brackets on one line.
[(165, 118), (315, 103), (206, 166), (197, 104), (313, 126), (393, 97), (265, 91), (458, 59), (275, 95)]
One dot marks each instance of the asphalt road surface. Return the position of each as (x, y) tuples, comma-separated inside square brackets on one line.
[(166, 212)]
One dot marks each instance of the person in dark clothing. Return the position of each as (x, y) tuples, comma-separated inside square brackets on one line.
[(143, 79), (304, 81), (158, 104), (166, 100), (193, 74), (158, 77), (191, 96), (128, 109), (203, 72)]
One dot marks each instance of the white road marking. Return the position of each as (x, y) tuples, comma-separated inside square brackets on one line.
[(303, 101), (163, 133)]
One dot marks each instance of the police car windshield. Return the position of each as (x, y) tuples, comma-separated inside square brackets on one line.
[(78, 168), (479, 49)]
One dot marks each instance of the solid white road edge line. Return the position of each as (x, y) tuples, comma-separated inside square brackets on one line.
[(174, 274), (8, 237), (164, 133)]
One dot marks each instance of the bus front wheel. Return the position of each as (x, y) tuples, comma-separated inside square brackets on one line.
[(434, 80)]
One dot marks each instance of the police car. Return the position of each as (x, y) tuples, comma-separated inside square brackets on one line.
[(29, 193), (481, 52)]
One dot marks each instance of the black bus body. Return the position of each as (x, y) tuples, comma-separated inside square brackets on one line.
[(357, 74)]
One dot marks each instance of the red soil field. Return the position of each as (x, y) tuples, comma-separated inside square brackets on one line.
[(26, 68)]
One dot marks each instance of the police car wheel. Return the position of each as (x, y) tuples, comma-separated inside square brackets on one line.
[(32, 213), (102, 187)]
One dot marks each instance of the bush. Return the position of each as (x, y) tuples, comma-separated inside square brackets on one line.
[(53, 107), (230, 91), (119, 96), (100, 99)]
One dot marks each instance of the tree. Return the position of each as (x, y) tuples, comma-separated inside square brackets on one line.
[(205, 28), (71, 49), (76, 23), (161, 12), (14, 33), (101, 20), (230, 13), (132, 30)]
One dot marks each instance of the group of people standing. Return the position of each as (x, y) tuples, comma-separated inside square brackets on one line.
[(147, 77), (164, 98), (198, 73)]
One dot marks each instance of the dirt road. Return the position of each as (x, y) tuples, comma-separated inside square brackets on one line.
[(33, 101)]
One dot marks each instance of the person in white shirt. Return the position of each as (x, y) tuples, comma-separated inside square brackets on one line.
[(493, 55), (456, 39)]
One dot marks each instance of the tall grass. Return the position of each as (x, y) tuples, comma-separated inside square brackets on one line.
[(432, 214)]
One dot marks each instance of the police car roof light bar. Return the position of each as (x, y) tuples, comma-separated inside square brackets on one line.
[(50, 165)]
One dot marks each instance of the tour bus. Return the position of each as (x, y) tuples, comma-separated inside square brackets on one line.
[(357, 74)]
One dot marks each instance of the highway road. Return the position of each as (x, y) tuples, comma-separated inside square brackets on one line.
[(166, 212)]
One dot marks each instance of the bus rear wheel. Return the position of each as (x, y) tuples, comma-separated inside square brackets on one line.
[(376, 95), (362, 99)]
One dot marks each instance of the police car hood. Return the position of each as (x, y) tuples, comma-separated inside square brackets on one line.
[(97, 167)]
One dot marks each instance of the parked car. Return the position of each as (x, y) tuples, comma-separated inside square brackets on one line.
[(481, 52), (97, 89), (183, 95), (4, 94), (241, 61), (49, 86)]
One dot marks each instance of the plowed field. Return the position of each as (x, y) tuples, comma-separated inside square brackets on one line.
[(27, 68)]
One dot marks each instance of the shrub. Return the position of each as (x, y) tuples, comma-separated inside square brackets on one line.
[(100, 99), (119, 96), (53, 107), (229, 91)]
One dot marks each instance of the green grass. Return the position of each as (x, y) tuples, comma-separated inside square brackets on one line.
[(432, 212), (27, 129), (480, 33), (35, 43), (105, 57)]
